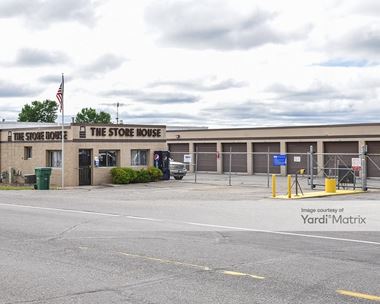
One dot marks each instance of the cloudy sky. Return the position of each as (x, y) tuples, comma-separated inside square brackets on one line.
[(216, 63)]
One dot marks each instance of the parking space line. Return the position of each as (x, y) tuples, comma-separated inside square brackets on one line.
[(358, 295)]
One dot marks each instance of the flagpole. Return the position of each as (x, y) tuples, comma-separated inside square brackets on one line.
[(63, 133)]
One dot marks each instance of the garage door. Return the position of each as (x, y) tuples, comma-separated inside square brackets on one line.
[(332, 161), (260, 160), (373, 161), (238, 161), (177, 151), (206, 154), (297, 159)]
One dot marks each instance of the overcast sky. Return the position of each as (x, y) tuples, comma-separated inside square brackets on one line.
[(216, 63)]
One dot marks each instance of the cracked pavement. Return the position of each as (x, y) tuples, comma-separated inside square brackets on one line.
[(124, 245)]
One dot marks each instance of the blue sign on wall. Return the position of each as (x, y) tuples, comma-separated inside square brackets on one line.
[(279, 160)]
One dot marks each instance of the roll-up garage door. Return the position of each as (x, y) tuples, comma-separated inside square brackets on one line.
[(335, 154), (206, 154), (238, 160), (297, 156), (177, 151), (373, 160), (260, 160)]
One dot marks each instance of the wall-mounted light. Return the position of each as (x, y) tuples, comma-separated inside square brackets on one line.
[(177, 136)]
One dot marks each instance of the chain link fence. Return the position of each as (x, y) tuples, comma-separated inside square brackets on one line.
[(255, 168)]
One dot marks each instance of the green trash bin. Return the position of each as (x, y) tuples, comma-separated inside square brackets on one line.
[(43, 178)]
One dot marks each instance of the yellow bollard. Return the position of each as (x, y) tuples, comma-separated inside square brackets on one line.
[(289, 186), (330, 185), (274, 185)]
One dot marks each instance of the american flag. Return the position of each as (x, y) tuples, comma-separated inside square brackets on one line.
[(59, 96)]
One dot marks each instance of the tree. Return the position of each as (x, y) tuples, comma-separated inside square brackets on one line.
[(39, 111), (89, 115)]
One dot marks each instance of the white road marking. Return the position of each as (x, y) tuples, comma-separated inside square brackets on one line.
[(63, 210), (284, 233), (143, 218), (199, 224)]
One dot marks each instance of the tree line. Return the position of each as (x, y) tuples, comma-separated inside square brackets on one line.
[(47, 111)]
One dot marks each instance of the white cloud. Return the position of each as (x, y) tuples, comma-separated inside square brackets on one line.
[(101, 65), (35, 57), (218, 63), (10, 89), (43, 13), (211, 24), (204, 85)]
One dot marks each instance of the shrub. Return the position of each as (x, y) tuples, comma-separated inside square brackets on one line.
[(154, 173), (143, 176), (129, 175), (119, 176), (132, 174), (123, 175)]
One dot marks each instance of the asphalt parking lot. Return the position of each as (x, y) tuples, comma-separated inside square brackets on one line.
[(180, 242)]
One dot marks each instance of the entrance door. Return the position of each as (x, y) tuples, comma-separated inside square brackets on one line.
[(85, 167)]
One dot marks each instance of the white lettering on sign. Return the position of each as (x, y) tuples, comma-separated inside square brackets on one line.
[(187, 158)]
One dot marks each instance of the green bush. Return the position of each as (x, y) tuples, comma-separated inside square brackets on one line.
[(132, 174), (129, 175), (154, 173), (143, 176), (119, 176), (123, 175)]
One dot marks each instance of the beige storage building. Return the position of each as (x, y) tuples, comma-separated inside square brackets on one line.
[(90, 150), (251, 144)]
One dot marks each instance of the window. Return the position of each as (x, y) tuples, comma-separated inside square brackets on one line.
[(108, 158), (54, 158), (27, 152), (139, 157)]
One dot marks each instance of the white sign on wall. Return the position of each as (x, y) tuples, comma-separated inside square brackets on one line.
[(356, 163), (187, 158), (297, 159)]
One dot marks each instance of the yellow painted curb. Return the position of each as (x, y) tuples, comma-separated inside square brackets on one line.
[(320, 194)]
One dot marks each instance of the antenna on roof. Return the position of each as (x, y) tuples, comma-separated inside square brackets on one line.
[(117, 104)]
